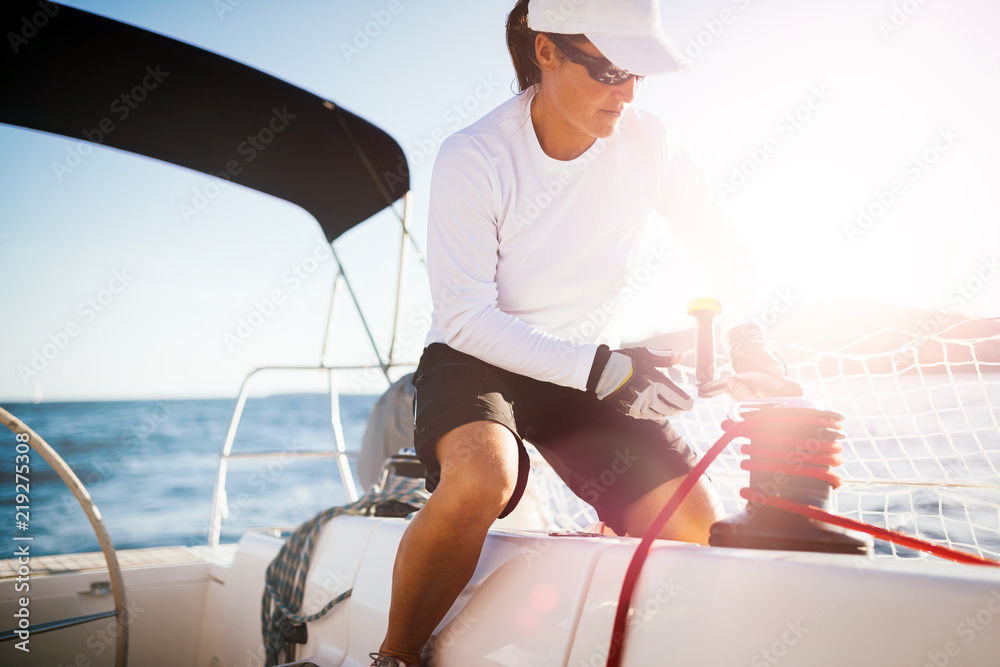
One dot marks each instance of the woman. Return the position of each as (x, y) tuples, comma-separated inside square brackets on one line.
[(536, 214)]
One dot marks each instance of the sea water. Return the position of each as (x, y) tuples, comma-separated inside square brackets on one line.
[(151, 466)]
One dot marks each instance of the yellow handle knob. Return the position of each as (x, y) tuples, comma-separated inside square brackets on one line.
[(704, 303)]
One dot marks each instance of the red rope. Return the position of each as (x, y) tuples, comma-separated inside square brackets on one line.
[(642, 551), (735, 430), (875, 531)]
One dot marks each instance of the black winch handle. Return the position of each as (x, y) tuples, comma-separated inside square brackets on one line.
[(704, 311)]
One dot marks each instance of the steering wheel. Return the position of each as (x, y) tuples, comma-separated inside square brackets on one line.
[(25, 437)]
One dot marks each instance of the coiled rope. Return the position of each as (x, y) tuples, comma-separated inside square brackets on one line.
[(285, 580)]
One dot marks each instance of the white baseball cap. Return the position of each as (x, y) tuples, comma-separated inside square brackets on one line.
[(627, 32)]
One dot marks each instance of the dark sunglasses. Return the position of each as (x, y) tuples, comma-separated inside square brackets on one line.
[(599, 69)]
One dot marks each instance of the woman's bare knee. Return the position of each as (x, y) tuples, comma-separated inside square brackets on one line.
[(692, 520), (479, 466)]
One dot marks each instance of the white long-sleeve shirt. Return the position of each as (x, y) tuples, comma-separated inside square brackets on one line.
[(526, 252)]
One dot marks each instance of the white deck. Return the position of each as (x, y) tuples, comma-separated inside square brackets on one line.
[(534, 600)]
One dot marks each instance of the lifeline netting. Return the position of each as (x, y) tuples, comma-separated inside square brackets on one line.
[(922, 453)]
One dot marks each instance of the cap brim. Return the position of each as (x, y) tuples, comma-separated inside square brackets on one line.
[(644, 55)]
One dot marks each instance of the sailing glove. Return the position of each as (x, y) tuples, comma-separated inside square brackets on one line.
[(629, 381), (759, 369)]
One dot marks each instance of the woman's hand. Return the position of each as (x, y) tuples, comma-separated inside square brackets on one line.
[(629, 380), (759, 369)]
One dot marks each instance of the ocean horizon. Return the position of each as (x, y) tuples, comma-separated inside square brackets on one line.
[(150, 467)]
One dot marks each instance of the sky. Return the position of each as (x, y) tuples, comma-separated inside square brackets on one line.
[(854, 142)]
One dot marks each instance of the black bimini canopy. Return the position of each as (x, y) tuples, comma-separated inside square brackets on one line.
[(88, 77)]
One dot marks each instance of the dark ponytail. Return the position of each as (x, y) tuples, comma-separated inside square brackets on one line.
[(521, 44)]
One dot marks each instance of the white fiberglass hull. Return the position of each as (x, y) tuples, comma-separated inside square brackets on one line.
[(542, 600)]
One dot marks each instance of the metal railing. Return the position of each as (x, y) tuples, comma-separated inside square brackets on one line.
[(339, 452)]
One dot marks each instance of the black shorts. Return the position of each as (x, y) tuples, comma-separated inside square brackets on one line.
[(608, 459)]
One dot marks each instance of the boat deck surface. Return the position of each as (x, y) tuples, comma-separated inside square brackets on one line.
[(127, 558)]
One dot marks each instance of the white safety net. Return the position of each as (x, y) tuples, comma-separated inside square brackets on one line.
[(922, 452)]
